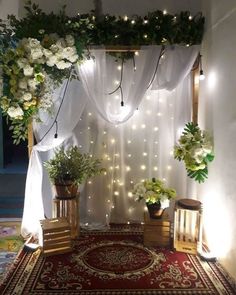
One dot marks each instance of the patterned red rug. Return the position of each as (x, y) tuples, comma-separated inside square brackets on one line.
[(112, 263)]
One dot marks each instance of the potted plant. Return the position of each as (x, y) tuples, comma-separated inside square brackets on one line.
[(70, 168), (155, 194)]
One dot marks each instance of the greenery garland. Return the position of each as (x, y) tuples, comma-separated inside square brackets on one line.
[(31, 43)]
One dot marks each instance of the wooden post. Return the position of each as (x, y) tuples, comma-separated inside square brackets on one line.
[(1, 142), (195, 90), (30, 138)]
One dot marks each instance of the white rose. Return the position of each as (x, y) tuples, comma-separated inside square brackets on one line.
[(70, 40), (61, 65), (40, 60), (52, 61), (28, 71), (36, 53), (47, 52), (61, 43), (15, 112), (23, 84), (22, 62), (73, 58), (54, 48), (207, 148), (198, 152), (68, 51), (27, 96), (33, 42), (32, 83)]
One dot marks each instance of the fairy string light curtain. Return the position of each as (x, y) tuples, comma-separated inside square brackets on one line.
[(134, 144)]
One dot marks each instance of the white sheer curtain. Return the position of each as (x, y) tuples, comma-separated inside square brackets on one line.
[(38, 193), (142, 145), (102, 75), (137, 149), (132, 147)]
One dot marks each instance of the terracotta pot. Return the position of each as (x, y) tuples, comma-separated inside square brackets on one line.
[(66, 190), (155, 211)]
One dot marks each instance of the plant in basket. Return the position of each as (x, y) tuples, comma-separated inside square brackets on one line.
[(155, 194), (70, 168)]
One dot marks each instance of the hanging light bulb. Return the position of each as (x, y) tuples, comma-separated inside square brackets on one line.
[(201, 74)]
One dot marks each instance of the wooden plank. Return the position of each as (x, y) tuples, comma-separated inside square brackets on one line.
[(30, 138), (157, 229), (57, 239), (61, 250), (1, 142), (55, 235), (58, 245), (54, 224), (116, 48), (195, 93)]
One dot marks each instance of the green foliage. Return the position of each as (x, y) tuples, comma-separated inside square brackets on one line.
[(72, 165), (154, 28), (153, 191), (87, 30), (195, 148)]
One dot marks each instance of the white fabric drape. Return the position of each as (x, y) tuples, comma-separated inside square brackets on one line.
[(138, 148), (102, 75), (37, 204), (174, 66)]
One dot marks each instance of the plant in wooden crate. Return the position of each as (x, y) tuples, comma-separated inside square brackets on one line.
[(70, 168), (155, 194)]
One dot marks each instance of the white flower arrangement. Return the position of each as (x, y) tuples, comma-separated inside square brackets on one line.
[(153, 191), (28, 69), (195, 148)]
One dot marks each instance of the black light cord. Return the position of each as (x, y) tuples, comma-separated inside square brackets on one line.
[(158, 62), (120, 84), (58, 111)]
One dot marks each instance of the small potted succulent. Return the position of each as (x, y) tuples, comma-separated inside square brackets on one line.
[(155, 194), (70, 168)]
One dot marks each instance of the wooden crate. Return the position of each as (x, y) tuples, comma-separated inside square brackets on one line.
[(68, 208), (156, 232), (56, 236), (188, 226)]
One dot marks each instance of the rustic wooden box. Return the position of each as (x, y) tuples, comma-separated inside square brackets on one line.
[(56, 236), (68, 208), (188, 226), (156, 232)]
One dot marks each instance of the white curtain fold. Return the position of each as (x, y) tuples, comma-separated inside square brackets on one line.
[(38, 193), (102, 75), (174, 66), (135, 141)]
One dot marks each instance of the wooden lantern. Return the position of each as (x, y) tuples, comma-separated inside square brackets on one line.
[(188, 226)]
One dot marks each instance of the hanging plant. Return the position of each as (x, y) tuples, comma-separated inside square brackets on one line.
[(195, 148), (34, 59)]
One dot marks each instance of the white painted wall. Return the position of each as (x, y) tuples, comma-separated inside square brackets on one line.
[(8, 7), (119, 7), (217, 112)]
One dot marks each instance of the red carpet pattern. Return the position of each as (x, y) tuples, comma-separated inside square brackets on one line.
[(112, 263)]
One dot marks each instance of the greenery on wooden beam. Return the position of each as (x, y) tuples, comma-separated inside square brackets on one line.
[(38, 51)]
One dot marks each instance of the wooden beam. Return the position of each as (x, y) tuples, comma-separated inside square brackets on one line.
[(30, 138), (116, 48), (195, 91), (1, 142)]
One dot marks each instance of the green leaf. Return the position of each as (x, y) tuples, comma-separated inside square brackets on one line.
[(210, 157)]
